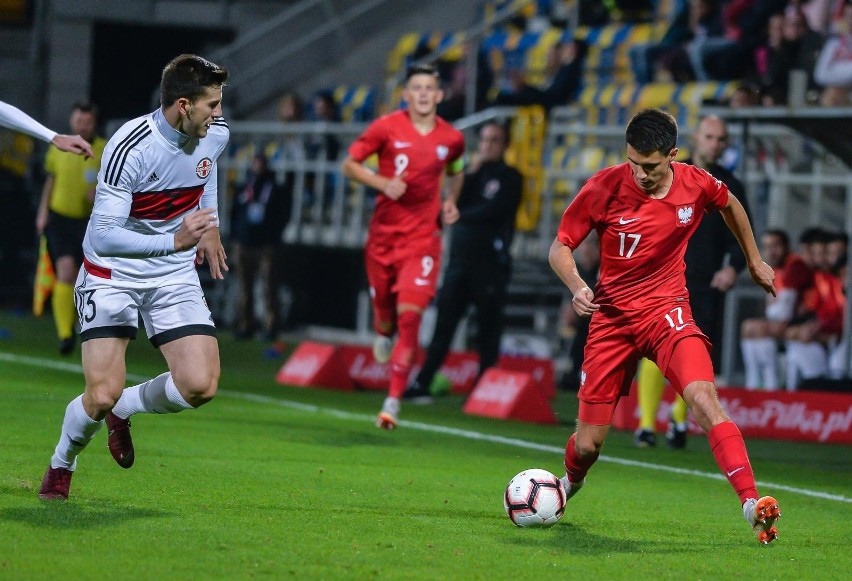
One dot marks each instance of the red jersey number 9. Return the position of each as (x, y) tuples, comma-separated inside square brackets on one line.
[(400, 162)]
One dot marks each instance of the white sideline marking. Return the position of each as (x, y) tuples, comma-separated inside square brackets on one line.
[(436, 428)]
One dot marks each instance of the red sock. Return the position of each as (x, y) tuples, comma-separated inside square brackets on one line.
[(575, 466), (404, 352), (729, 448)]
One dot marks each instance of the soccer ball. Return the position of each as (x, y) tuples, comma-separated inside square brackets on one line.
[(534, 498)]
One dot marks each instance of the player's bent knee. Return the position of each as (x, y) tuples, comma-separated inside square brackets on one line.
[(702, 400), (197, 389), (103, 397)]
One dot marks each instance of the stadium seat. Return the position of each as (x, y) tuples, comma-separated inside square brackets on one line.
[(355, 103)]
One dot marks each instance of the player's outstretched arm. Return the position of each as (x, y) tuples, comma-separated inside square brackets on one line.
[(737, 221), (14, 118), (210, 248), (562, 262), (73, 144)]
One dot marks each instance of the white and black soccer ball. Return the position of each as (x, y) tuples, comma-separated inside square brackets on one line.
[(534, 498)]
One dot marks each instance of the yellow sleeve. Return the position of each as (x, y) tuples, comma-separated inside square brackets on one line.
[(50, 160)]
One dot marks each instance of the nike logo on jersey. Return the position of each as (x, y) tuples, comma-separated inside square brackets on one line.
[(732, 472), (421, 281), (401, 144), (622, 221), (681, 327)]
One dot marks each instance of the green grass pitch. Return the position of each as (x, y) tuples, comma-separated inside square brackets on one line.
[(274, 482)]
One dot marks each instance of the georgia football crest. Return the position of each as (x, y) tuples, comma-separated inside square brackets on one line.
[(203, 168), (685, 214), (442, 151)]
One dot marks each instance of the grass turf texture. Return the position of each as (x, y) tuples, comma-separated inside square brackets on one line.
[(264, 482)]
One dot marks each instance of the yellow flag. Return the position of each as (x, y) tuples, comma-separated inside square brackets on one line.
[(44, 279)]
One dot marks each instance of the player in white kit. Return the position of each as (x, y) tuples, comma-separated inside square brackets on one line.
[(154, 218)]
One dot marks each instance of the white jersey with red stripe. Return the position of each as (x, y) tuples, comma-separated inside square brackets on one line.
[(151, 177)]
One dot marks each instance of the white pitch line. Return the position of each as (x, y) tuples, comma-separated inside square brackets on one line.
[(435, 428)]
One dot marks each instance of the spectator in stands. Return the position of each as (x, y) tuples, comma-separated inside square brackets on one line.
[(730, 56), (707, 32), (820, 327), (790, 45), (644, 57), (565, 71), (836, 249), (834, 67), (454, 77), (818, 12), (480, 265), (759, 336), (259, 212), (325, 147), (745, 95), (838, 366), (291, 109)]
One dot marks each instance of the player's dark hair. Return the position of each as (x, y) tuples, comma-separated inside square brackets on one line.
[(780, 234), (188, 76), (652, 130), (85, 107), (421, 69)]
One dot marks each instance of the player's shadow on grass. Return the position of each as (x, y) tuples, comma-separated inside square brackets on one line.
[(585, 542), (91, 515)]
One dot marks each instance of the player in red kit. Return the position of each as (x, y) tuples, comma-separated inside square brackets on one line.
[(644, 212), (403, 252)]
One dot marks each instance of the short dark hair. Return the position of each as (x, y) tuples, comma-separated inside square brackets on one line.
[(814, 235), (504, 131), (188, 76), (652, 130), (780, 234), (85, 107), (422, 69)]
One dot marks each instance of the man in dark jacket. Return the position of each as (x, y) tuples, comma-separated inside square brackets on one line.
[(479, 266), (259, 213)]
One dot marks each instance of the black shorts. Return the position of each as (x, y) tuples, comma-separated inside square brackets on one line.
[(65, 236)]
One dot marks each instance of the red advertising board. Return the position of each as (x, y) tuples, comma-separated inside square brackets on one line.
[(799, 415), (509, 395), (460, 367)]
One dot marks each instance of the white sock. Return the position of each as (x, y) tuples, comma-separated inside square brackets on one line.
[(156, 396), (78, 429), (805, 361), (752, 368), (766, 351)]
